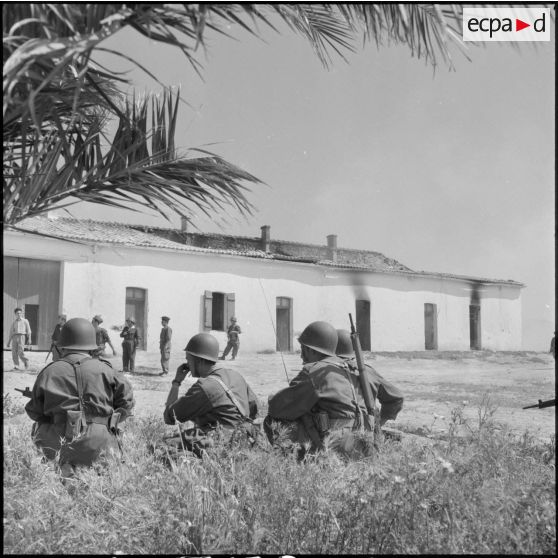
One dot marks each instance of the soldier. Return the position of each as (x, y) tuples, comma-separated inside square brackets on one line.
[(102, 337), (130, 342), (323, 401), (221, 397), (56, 336), (553, 346), (165, 344), (233, 341), (20, 335), (77, 401)]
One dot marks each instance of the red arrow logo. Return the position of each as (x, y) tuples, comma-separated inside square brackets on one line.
[(519, 25)]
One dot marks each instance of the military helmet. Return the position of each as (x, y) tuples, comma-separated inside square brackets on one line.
[(344, 344), (320, 336), (97, 318), (131, 319), (203, 345), (77, 333)]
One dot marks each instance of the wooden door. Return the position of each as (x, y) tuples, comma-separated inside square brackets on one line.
[(284, 323), (430, 327), (363, 323)]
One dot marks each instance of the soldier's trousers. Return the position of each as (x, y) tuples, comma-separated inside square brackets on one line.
[(234, 345), (165, 358), (128, 356), (85, 450)]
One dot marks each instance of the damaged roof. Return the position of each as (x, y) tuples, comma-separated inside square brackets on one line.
[(141, 236)]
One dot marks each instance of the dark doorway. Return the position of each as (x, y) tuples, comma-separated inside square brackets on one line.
[(363, 323), (284, 323), (135, 307), (31, 314), (430, 327), (475, 327)]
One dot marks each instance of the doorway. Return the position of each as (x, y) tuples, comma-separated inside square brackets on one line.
[(284, 320), (430, 327), (475, 327), (135, 306), (363, 323)]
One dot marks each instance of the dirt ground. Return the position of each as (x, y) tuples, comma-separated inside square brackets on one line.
[(432, 386)]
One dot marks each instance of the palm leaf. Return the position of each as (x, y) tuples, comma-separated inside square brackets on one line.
[(59, 105)]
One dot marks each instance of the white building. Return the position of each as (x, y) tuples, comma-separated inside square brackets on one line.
[(275, 288)]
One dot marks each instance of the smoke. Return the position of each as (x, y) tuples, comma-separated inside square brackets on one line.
[(358, 285), (476, 294)]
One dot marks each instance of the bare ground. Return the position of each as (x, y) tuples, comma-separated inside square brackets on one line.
[(433, 384)]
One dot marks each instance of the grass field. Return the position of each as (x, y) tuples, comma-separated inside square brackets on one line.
[(484, 482)]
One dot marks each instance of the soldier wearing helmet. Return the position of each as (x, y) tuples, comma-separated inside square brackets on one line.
[(220, 398), (319, 399), (130, 342), (233, 341), (77, 401), (390, 397)]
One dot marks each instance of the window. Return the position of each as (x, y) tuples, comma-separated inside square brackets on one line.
[(218, 309)]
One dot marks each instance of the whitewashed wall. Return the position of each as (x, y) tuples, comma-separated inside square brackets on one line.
[(94, 281)]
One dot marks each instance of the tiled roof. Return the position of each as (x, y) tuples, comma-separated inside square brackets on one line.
[(101, 232)]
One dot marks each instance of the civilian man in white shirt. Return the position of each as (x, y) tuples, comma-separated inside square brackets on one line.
[(20, 335)]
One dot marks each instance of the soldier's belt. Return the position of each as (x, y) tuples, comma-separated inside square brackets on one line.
[(60, 418)]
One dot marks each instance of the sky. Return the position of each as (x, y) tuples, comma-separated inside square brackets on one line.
[(445, 171)]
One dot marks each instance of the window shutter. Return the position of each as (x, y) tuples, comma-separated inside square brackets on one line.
[(229, 309), (207, 310)]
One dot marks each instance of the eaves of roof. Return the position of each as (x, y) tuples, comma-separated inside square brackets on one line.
[(98, 233)]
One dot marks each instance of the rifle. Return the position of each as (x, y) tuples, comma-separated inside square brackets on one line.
[(49, 351), (542, 404), (364, 385), (26, 392)]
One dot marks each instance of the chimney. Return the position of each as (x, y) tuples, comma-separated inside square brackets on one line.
[(332, 247), (184, 224), (266, 238)]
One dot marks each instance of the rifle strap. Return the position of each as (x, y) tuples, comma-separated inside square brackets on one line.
[(358, 411), (231, 396)]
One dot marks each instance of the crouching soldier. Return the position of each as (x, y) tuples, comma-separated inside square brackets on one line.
[(323, 405), (77, 402), (220, 403)]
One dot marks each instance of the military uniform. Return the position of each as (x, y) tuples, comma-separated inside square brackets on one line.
[(54, 338), (55, 396), (165, 347), (102, 337), (130, 342), (233, 342), (320, 400), (207, 403)]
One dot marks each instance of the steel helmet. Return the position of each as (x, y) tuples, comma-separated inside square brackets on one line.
[(203, 345), (320, 336), (78, 333), (344, 344)]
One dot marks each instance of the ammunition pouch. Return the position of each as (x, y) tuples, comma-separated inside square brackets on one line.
[(75, 424)]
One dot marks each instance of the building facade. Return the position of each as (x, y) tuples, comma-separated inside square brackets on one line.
[(274, 288)]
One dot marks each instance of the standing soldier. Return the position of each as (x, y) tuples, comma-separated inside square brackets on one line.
[(130, 343), (77, 401), (54, 338), (165, 344), (220, 398), (102, 337), (553, 346), (233, 342), (20, 334)]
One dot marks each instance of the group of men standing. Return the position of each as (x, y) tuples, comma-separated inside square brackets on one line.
[(78, 401)]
